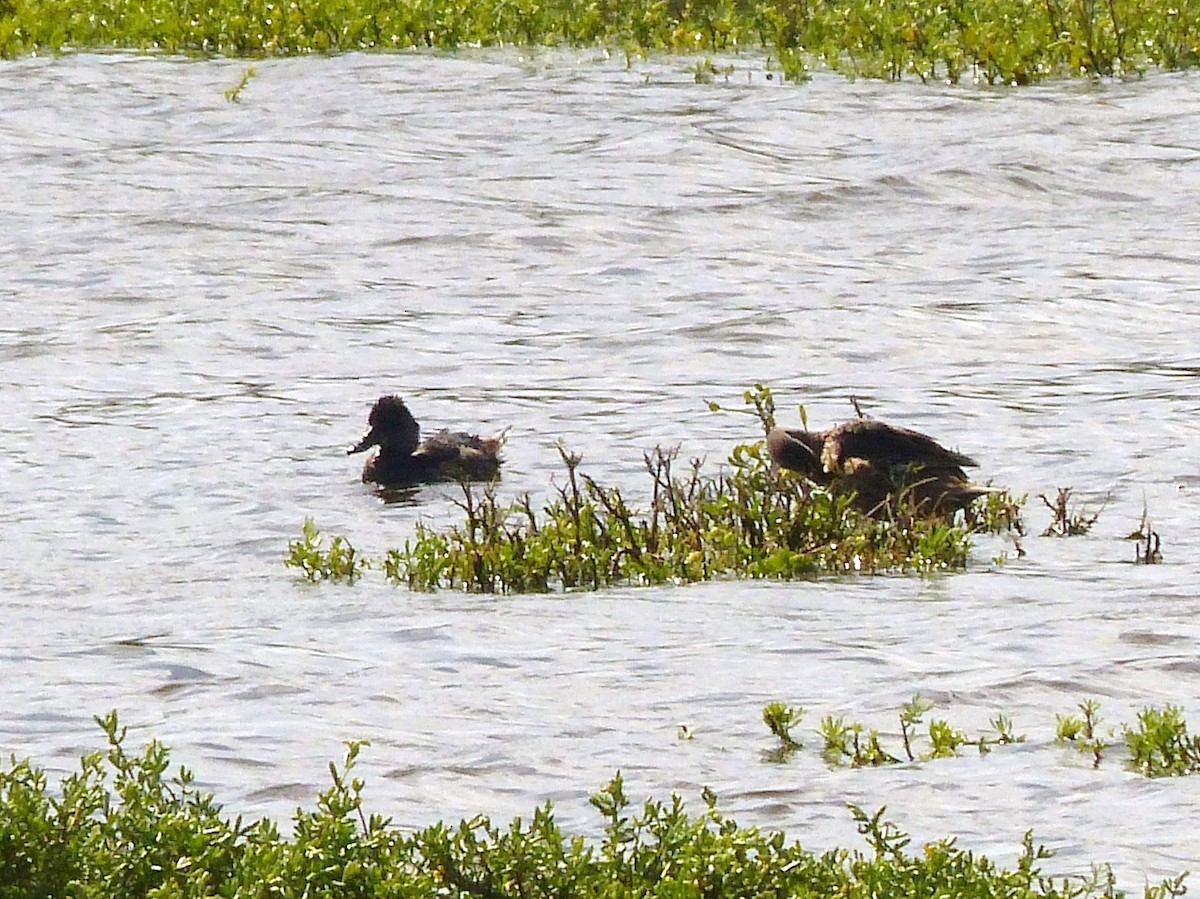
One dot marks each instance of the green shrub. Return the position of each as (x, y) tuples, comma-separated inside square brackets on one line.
[(122, 828), (1160, 745), (748, 521), (340, 562)]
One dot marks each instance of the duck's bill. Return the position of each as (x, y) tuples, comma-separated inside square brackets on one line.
[(369, 440)]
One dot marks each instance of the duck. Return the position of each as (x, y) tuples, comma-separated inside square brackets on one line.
[(878, 462), (404, 459)]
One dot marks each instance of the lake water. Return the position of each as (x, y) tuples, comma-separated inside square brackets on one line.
[(201, 298)]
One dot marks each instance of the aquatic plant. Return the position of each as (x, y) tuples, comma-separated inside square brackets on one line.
[(122, 827), (1068, 520), (1084, 732), (1160, 745), (780, 718), (340, 562), (999, 512), (745, 522), (994, 41), (853, 742), (234, 94), (1148, 549), (1003, 727)]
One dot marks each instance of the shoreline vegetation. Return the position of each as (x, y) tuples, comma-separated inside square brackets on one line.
[(749, 520), (1012, 42), (124, 826)]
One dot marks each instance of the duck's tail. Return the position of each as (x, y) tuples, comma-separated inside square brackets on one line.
[(496, 441)]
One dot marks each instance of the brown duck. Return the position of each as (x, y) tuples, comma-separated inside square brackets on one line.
[(404, 459), (876, 462)]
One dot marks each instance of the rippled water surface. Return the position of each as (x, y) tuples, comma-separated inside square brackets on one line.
[(200, 299)]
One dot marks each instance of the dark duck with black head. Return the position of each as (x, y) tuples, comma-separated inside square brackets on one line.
[(404, 459), (878, 463)]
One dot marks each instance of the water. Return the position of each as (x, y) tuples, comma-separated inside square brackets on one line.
[(202, 298)]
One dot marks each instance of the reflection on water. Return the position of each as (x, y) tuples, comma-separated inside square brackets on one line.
[(201, 300)]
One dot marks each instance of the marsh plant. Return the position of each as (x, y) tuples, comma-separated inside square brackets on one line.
[(1148, 549), (1083, 731), (746, 521), (1005, 736), (993, 41), (1160, 746), (234, 94), (851, 741), (1068, 519), (337, 562), (780, 718), (124, 827), (861, 747)]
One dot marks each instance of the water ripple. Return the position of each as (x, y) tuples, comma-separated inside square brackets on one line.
[(201, 299)]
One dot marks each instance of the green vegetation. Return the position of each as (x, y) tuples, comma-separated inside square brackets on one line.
[(780, 719), (340, 562), (234, 94), (853, 741), (749, 520), (1158, 746), (123, 828), (861, 746), (1084, 732), (997, 41)]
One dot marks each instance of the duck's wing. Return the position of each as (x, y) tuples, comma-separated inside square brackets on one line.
[(455, 455), (443, 446), (449, 446), (882, 444)]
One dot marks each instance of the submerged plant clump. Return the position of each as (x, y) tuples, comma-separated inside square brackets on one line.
[(1148, 549), (1159, 745), (780, 719), (1068, 520), (861, 747), (997, 41), (123, 827), (339, 562), (1083, 732), (747, 521)]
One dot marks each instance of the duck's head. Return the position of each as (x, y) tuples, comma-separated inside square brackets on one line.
[(796, 450), (392, 428)]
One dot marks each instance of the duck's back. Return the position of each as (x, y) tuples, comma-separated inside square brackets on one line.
[(879, 443), (456, 454)]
